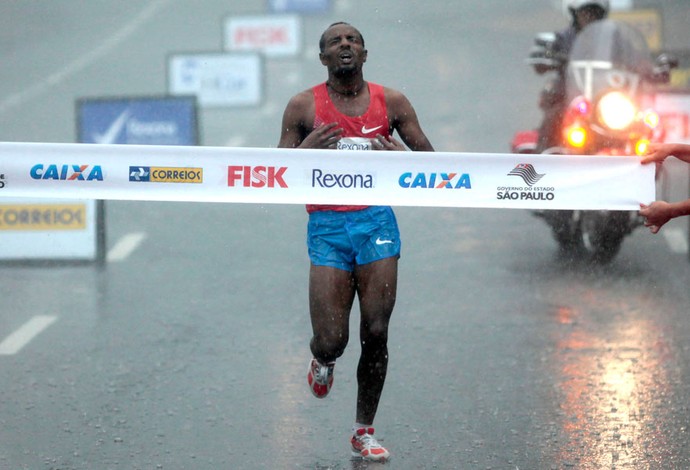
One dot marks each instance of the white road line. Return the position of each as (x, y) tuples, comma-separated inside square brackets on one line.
[(20, 338), (676, 239), (77, 65), (125, 246)]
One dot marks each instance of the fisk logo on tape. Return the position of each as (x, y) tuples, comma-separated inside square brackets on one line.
[(257, 176)]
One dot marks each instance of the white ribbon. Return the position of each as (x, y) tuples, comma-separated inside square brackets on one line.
[(292, 176)]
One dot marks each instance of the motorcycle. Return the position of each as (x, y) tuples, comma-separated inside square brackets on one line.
[(608, 74)]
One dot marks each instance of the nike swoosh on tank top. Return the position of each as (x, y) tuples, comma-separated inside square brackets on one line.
[(357, 130)]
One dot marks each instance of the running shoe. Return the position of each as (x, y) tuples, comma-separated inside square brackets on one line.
[(365, 446), (320, 378)]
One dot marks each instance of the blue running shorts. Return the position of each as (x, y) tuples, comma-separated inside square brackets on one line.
[(345, 239)]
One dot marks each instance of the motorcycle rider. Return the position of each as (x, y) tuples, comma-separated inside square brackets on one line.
[(553, 56)]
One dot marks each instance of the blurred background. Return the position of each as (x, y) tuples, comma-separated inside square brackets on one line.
[(461, 64)]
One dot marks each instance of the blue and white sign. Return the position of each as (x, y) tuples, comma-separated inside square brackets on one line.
[(299, 6), (142, 121), (217, 79)]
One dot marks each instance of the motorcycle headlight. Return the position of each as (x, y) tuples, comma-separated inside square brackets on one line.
[(641, 147), (651, 119), (616, 111), (576, 136)]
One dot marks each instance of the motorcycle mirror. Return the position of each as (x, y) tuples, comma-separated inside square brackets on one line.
[(666, 60), (545, 39)]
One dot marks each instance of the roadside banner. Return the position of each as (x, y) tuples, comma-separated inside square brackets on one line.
[(647, 21), (299, 6), (160, 120), (295, 176), (47, 228), (51, 227), (272, 35), (217, 79), (674, 111)]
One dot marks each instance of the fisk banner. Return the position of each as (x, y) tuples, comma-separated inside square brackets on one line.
[(295, 176)]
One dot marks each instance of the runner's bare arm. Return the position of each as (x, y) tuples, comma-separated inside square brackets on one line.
[(298, 120), (404, 120)]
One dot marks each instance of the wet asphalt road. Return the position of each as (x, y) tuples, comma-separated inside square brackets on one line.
[(191, 352)]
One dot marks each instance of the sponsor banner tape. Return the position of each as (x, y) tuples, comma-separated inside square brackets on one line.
[(296, 176)]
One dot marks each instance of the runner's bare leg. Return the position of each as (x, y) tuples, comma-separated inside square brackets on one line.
[(331, 293), (376, 285)]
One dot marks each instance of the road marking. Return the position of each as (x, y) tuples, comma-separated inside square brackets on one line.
[(676, 239), (125, 246), (83, 61), (20, 338)]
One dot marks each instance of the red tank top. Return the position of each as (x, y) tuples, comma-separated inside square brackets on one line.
[(357, 130)]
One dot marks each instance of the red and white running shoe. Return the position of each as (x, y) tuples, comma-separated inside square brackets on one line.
[(365, 446), (320, 378)]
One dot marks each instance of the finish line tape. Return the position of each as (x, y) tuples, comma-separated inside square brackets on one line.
[(296, 176)]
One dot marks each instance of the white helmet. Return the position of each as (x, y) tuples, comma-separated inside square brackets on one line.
[(574, 5)]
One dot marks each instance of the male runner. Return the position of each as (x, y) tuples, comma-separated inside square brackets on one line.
[(354, 250)]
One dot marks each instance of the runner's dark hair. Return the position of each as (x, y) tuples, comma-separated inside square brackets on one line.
[(322, 41)]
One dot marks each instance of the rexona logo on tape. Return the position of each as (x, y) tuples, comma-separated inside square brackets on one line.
[(257, 176), (322, 179), (67, 172), (156, 174), (435, 181), (48, 217)]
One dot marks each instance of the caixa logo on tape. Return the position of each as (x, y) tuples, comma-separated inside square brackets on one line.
[(67, 172), (435, 180), (257, 176)]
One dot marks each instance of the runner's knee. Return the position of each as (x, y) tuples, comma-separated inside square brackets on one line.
[(329, 346)]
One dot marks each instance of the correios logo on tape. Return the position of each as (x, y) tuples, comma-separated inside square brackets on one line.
[(257, 176), (156, 174), (67, 172), (435, 180)]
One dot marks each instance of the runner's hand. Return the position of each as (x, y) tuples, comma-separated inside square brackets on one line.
[(323, 137), (390, 143)]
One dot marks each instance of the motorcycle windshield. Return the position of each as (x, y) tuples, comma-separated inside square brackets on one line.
[(607, 54)]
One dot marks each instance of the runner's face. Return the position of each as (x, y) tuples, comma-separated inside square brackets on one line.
[(344, 49)]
